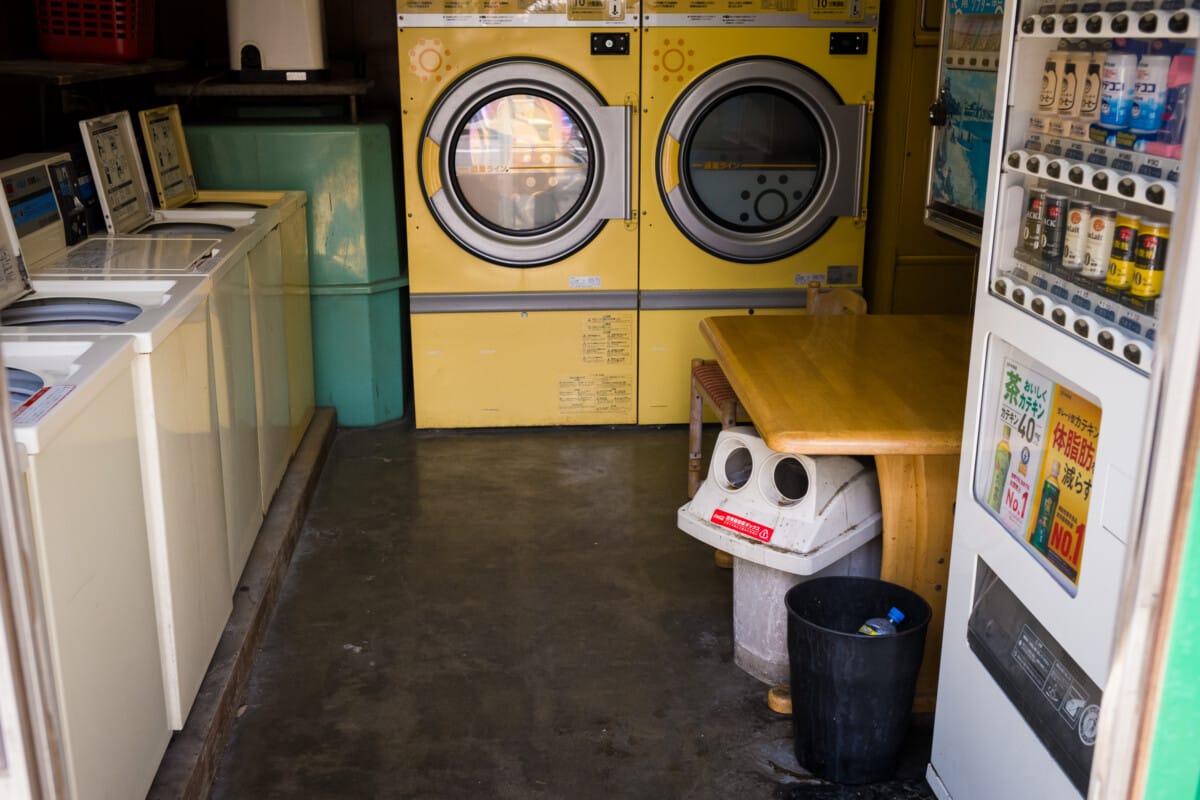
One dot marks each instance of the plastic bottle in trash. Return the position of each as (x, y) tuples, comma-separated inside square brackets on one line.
[(882, 626)]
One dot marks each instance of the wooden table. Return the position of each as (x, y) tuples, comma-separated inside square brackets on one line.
[(888, 386)]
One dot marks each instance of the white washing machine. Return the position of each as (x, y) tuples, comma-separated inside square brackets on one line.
[(176, 188), (125, 198), (76, 434), (178, 439), (223, 268), (233, 372)]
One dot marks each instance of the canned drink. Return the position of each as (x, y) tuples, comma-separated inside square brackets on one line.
[(1089, 96), (1079, 214), (1098, 247), (1117, 78), (1034, 226), (1149, 259), (1120, 262), (1054, 230), (1149, 94), (1051, 75)]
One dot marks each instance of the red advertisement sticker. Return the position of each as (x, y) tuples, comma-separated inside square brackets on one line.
[(742, 525)]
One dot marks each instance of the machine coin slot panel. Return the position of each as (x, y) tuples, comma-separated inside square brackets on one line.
[(847, 44), (610, 44), (70, 201), (1051, 691)]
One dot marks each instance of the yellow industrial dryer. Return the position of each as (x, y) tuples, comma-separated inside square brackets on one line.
[(755, 134), (520, 148)]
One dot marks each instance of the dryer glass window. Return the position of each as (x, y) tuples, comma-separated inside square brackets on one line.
[(522, 163), (754, 160)]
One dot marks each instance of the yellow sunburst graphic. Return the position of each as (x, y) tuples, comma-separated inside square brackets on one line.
[(672, 60), (429, 60)]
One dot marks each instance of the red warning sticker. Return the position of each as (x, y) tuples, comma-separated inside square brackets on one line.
[(37, 406), (742, 525)]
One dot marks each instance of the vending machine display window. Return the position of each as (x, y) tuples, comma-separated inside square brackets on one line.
[(1038, 439)]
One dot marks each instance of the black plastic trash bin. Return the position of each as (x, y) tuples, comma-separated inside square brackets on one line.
[(852, 694)]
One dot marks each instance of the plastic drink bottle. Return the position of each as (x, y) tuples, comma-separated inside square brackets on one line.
[(1000, 470), (882, 626), (1040, 538)]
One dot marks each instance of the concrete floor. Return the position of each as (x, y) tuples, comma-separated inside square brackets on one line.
[(511, 614)]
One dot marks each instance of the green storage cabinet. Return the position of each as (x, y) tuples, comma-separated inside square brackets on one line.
[(356, 271)]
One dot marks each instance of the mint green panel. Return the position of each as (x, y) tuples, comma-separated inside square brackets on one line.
[(346, 171), (1174, 755), (358, 354)]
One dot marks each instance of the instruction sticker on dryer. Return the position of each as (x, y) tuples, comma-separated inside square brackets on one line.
[(608, 340), (595, 394)]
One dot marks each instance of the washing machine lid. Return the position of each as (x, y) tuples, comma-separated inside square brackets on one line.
[(117, 172), (758, 158), (170, 164), (134, 255), (522, 162), (14, 278)]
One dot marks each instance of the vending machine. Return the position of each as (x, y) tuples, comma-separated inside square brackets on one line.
[(962, 117), (1077, 300)]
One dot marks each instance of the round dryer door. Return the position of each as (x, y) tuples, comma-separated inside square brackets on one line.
[(758, 158), (522, 162)]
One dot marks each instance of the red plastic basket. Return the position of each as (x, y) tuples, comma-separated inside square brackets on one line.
[(99, 30)]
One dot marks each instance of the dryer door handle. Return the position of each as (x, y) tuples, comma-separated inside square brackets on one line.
[(614, 198), (849, 146)]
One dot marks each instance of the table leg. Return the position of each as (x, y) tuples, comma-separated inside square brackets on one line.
[(918, 493)]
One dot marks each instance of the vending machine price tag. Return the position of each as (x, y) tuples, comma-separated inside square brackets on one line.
[(1151, 167), (1123, 162), (1097, 156), (1130, 324), (1081, 301)]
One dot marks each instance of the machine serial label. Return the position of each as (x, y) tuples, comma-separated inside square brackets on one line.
[(745, 527)]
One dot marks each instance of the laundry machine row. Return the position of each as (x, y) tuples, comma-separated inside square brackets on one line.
[(279, 275), (72, 399), (583, 189), (174, 300)]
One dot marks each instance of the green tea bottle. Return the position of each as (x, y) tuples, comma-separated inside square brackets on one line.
[(1045, 516), (1000, 470)]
